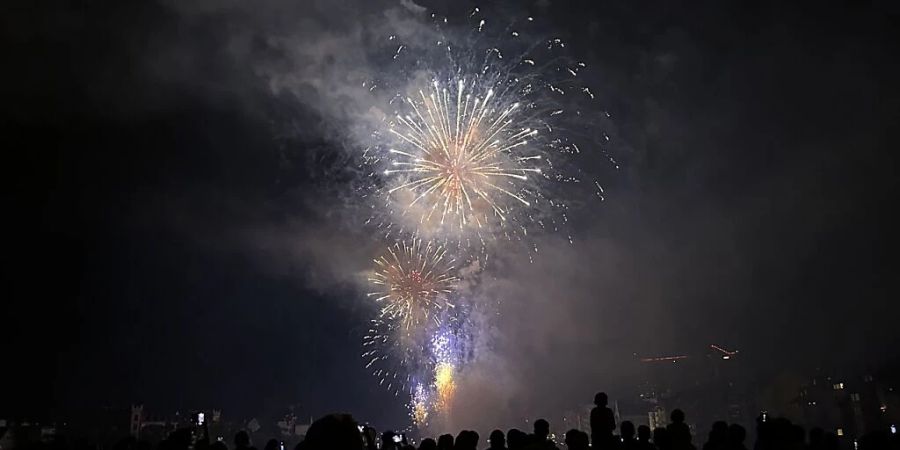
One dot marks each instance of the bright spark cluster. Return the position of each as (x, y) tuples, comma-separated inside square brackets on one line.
[(463, 157), (414, 280)]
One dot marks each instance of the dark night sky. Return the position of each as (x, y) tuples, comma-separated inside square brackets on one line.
[(167, 241)]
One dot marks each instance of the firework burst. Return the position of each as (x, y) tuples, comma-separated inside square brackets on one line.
[(464, 157), (477, 133), (414, 281), (476, 140)]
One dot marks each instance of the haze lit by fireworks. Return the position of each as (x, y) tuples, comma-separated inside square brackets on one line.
[(476, 135)]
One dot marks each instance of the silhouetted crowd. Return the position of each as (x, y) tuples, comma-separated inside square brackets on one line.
[(342, 432)]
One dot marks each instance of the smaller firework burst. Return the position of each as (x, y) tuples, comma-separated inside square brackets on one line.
[(414, 281)]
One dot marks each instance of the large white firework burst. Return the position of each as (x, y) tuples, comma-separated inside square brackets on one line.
[(465, 158), (478, 135)]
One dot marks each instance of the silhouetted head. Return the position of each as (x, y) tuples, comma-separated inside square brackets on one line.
[(626, 429), (601, 399), (241, 439), (577, 440), (272, 444), (572, 437), (218, 445), (428, 444), (541, 429), (515, 439), (497, 439), (736, 434), (677, 416), (643, 433), (466, 440), (445, 442), (333, 432), (462, 440)]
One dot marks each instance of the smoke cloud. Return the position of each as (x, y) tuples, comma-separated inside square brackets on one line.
[(710, 226)]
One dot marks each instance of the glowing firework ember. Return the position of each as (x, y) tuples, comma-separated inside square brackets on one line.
[(414, 280), (464, 154)]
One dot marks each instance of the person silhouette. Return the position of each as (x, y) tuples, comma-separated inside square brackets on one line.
[(272, 444), (516, 439), (603, 423), (428, 444), (679, 432), (643, 438), (540, 439), (718, 437), (577, 440), (497, 440), (445, 442), (627, 432), (466, 440), (333, 432)]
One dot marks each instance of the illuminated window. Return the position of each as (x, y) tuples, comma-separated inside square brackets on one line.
[(838, 386), (854, 397), (840, 431)]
